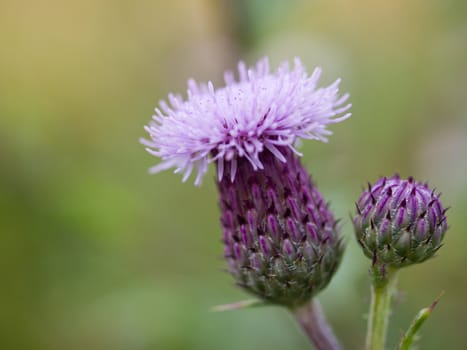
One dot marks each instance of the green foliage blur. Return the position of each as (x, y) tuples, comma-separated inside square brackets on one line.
[(97, 254)]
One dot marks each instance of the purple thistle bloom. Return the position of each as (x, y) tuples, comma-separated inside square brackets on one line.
[(399, 222), (259, 111), (281, 240)]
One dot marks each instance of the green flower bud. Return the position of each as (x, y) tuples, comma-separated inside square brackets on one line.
[(399, 222)]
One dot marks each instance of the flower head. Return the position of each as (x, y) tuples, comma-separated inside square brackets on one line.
[(281, 240), (399, 222), (258, 111)]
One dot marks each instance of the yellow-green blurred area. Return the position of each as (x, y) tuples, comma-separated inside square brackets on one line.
[(97, 254)]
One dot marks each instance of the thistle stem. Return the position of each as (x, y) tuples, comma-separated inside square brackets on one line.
[(380, 309), (311, 319)]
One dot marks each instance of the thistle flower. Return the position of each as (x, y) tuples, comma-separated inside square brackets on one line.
[(281, 240), (399, 222)]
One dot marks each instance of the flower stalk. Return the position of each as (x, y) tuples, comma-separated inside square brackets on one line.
[(382, 293), (311, 319)]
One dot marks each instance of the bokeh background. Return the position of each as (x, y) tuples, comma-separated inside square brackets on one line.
[(97, 254)]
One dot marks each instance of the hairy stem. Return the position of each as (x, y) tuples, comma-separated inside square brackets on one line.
[(380, 309), (311, 319)]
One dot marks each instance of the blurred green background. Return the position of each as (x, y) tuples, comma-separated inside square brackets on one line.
[(97, 254)]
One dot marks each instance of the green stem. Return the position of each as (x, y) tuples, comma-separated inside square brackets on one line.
[(380, 308), (311, 318)]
